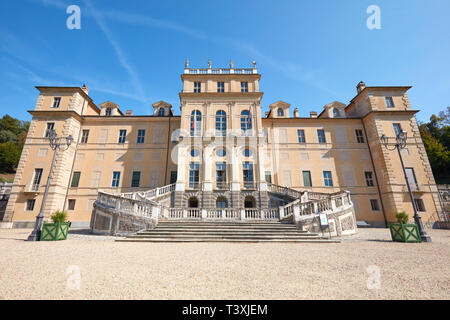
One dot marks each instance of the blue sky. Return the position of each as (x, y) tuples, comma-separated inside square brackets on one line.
[(308, 52)]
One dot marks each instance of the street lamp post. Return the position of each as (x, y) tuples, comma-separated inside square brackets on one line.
[(400, 143), (56, 143)]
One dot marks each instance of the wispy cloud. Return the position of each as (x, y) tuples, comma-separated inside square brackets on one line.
[(118, 50), (292, 70)]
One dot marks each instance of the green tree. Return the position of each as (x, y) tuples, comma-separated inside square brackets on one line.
[(9, 156)]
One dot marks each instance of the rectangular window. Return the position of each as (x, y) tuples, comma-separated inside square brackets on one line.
[(116, 179), (369, 179), (301, 136), (136, 179), (122, 136), (244, 86), (50, 127), (307, 178), (85, 136), (321, 136), (75, 179), (30, 204), (197, 87), (220, 87), (71, 205), (419, 205), (374, 205), (36, 179), (56, 102), (248, 174), (108, 112), (268, 177), (359, 136), (389, 102), (141, 136), (221, 175), (397, 128), (327, 179), (411, 177), (194, 175), (173, 177)]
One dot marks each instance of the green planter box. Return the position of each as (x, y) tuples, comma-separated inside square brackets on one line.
[(55, 231), (405, 232)]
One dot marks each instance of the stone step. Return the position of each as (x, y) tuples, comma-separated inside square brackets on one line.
[(168, 240), (218, 228), (225, 232), (207, 231), (231, 235)]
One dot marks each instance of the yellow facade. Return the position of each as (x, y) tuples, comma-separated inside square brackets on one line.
[(351, 150)]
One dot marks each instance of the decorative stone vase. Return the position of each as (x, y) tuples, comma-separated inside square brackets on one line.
[(55, 231), (405, 232)]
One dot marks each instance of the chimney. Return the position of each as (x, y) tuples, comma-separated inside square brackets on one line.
[(129, 112), (296, 113), (85, 89), (361, 86), (313, 114)]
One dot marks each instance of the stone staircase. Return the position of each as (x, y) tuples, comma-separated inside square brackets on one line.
[(202, 231)]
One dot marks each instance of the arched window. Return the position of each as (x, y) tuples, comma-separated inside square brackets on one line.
[(221, 203), (193, 202), (280, 112), (196, 123), (221, 123), (249, 202), (336, 113), (246, 120), (161, 112)]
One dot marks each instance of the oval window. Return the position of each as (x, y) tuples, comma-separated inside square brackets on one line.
[(247, 153), (221, 153), (195, 153)]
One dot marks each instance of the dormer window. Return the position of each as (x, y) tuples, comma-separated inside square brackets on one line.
[(280, 112), (336, 113), (56, 102), (161, 112), (108, 112)]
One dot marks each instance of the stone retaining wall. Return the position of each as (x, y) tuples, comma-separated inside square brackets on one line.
[(110, 221), (340, 223)]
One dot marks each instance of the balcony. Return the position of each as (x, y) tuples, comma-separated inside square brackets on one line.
[(194, 186), (31, 188), (249, 185), (222, 185)]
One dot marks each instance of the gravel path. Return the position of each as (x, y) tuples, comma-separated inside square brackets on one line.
[(114, 270)]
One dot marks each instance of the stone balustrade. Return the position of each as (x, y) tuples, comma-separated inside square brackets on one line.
[(130, 212)]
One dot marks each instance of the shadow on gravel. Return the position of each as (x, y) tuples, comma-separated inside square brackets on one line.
[(86, 232)]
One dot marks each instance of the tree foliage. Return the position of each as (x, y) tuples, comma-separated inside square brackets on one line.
[(436, 138), (13, 133)]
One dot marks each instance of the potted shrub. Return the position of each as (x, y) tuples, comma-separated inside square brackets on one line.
[(404, 231), (58, 229)]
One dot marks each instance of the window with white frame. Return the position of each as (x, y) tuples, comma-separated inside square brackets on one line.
[(56, 102)]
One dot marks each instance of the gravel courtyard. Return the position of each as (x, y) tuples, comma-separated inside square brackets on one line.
[(115, 270)]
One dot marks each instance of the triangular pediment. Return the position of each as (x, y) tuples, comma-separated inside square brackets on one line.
[(108, 104)]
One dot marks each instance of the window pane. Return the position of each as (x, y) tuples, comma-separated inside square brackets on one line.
[(321, 136), (136, 179), (307, 179), (301, 136), (75, 179)]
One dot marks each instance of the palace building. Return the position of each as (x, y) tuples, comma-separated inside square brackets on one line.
[(222, 153)]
